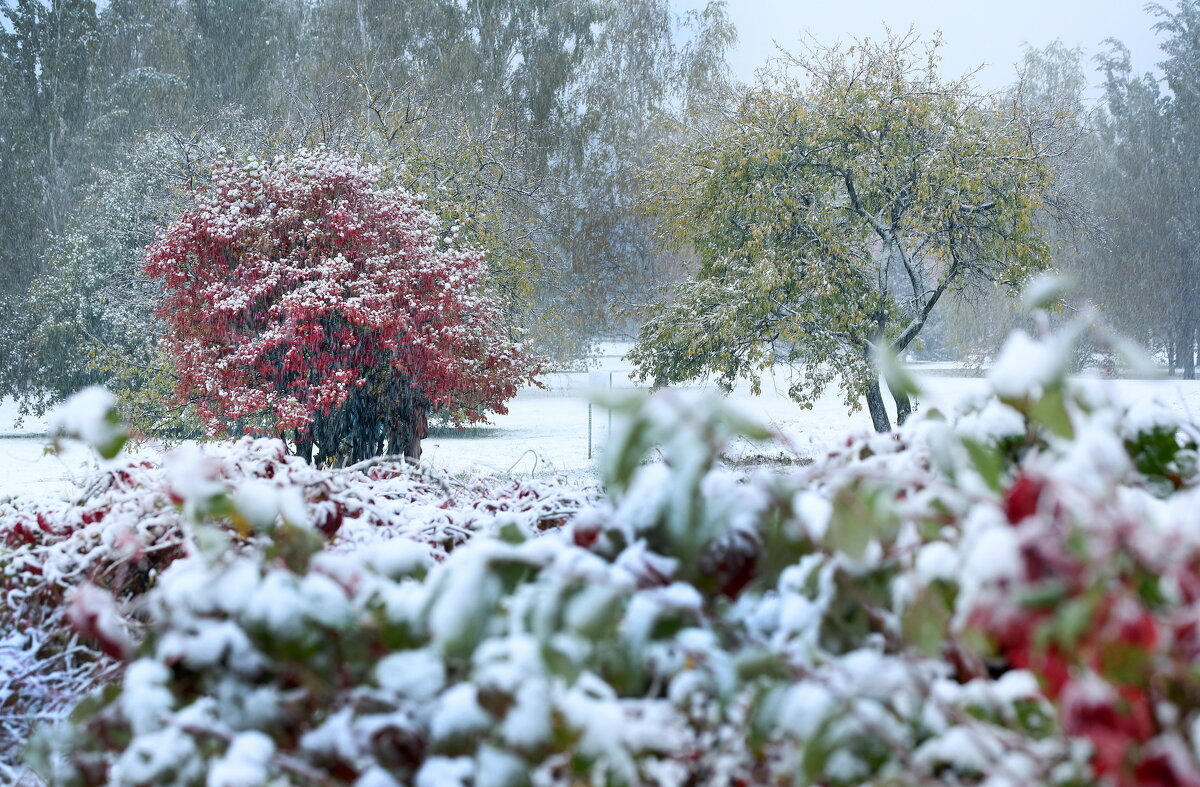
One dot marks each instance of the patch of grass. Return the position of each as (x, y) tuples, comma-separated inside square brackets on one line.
[(964, 371), (779, 459), (466, 433)]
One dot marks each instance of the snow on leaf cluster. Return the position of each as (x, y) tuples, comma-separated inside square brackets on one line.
[(91, 417), (75, 573), (1007, 597)]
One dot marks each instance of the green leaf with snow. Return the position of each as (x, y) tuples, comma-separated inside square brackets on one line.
[(987, 460), (91, 417), (1045, 291), (861, 514), (899, 378), (923, 622), (1050, 410)]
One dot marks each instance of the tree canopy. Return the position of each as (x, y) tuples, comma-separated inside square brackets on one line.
[(833, 205), (1144, 177), (303, 300)]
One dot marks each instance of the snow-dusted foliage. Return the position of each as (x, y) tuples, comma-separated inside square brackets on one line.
[(89, 416), (301, 295), (74, 574), (1005, 597)]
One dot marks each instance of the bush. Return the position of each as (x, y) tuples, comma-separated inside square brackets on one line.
[(1007, 597), (303, 299), (74, 574)]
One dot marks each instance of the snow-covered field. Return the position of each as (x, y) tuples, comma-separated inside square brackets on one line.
[(546, 430)]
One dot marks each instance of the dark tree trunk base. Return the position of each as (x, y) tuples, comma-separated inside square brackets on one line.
[(875, 405), (405, 439), (418, 430), (903, 407), (304, 449)]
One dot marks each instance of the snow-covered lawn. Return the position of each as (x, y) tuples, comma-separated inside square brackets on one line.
[(545, 431)]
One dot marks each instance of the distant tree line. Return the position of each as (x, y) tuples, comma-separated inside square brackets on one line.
[(850, 202), (520, 121), (1134, 251), (1147, 191)]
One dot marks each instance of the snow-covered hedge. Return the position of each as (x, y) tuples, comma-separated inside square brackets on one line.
[(74, 573), (1010, 596)]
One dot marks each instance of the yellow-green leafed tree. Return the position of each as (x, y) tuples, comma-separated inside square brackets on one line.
[(833, 205)]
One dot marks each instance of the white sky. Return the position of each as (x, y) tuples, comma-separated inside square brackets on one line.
[(991, 33)]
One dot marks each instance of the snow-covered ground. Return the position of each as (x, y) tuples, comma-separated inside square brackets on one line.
[(546, 430)]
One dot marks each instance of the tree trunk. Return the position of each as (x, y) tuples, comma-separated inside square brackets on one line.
[(879, 416), (903, 407), (418, 430), (1187, 353), (405, 437), (304, 447)]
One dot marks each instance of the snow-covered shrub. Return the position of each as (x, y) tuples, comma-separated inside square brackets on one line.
[(303, 298), (1004, 597), (74, 574)]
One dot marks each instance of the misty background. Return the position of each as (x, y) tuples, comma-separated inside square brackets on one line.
[(991, 37), (535, 126)]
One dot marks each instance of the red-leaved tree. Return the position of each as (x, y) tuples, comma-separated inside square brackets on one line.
[(303, 300)]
